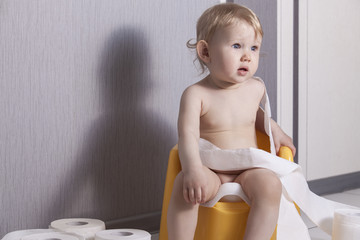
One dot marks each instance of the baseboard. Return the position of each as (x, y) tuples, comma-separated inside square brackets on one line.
[(149, 222), (335, 184)]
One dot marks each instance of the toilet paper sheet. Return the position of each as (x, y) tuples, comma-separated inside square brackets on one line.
[(123, 234)]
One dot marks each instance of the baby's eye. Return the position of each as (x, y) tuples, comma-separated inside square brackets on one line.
[(254, 48), (236, 46)]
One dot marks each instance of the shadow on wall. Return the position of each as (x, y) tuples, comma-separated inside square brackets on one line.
[(120, 170)]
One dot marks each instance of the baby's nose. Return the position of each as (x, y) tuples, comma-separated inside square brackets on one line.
[(245, 58)]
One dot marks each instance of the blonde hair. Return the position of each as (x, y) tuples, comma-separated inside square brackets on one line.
[(220, 16)]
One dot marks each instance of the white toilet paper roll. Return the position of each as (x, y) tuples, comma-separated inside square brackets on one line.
[(51, 236), (17, 235), (346, 224), (84, 227), (123, 234)]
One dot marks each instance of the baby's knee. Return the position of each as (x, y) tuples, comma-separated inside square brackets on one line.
[(271, 192), (273, 187), (268, 189)]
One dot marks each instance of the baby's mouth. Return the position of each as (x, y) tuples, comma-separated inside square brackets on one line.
[(243, 71)]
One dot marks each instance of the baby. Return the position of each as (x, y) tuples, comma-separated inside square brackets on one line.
[(223, 109)]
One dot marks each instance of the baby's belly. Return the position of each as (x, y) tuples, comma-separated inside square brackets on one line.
[(231, 139)]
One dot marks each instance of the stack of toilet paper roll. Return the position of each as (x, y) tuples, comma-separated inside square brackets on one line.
[(346, 224), (78, 229)]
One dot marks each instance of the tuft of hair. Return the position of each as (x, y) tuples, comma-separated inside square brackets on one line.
[(221, 16)]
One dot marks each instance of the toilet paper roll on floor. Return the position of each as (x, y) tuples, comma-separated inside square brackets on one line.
[(84, 227), (51, 236), (123, 234), (17, 235), (346, 224)]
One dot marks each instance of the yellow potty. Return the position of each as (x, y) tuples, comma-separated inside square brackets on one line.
[(224, 221)]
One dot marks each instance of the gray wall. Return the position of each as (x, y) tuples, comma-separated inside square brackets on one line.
[(89, 100)]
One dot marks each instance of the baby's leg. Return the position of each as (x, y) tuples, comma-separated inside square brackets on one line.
[(182, 216), (264, 190)]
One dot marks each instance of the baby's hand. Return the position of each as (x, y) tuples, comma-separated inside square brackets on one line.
[(195, 186), (282, 139)]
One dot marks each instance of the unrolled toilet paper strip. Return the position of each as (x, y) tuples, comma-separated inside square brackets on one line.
[(84, 227), (295, 188), (17, 235), (123, 234), (51, 236), (346, 225)]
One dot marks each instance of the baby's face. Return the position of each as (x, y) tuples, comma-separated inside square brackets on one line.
[(234, 53)]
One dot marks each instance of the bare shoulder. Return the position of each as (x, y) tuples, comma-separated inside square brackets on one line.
[(257, 83), (257, 86), (195, 91)]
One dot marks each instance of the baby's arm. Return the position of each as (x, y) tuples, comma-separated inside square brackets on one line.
[(195, 181), (280, 137)]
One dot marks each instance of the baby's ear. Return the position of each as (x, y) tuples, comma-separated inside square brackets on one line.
[(202, 49)]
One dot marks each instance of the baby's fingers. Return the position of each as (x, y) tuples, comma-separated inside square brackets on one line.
[(189, 195), (293, 149), (198, 195), (203, 196), (192, 196), (186, 195)]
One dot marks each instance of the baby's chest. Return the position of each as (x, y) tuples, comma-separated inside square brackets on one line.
[(219, 115)]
